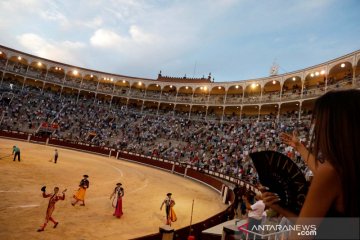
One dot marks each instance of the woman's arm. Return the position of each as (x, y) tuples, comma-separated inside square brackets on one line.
[(293, 141), (324, 189)]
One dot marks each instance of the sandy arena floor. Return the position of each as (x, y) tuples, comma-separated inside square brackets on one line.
[(22, 208)]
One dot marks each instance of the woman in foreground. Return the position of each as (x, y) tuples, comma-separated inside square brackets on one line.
[(334, 159)]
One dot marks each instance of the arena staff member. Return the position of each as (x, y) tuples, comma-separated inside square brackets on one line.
[(56, 155), (16, 150), (334, 160)]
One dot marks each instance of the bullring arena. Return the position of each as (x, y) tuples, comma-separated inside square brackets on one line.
[(22, 208), (208, 127)]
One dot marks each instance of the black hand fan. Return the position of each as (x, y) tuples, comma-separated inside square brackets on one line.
[(282, 176)]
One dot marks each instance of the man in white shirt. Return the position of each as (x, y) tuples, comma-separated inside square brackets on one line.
[(255, 213)]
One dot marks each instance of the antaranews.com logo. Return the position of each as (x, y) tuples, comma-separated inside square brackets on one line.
[(302, 230)]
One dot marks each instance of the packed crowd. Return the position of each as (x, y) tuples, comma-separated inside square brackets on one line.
[(222, 147)]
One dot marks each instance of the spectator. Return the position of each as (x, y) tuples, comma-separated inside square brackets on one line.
[(334, 160)]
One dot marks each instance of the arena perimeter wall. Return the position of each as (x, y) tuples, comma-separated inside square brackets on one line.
[(217, 181)]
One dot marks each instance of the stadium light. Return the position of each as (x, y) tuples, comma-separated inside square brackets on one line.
[(75, 72), (0, 52), (293, 78), (312, 75), (19, 58), (123, 81), (342, 65), (39, 64), (140, 83), (237, 86), (186, 87), (317, 74), (274, 82), (322, 72), (219, 87)]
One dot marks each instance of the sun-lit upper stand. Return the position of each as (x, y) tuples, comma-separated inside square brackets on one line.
[(194, 98)]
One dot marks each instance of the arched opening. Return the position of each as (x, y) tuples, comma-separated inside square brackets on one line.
[(307, 109), (138, 90), (103, 100), (201, 95), (106, 85), (3, 58), (135, 105), (185, 94), (340, 76), (182, 110), (198, 112), (269, 112), (70, 93), (119, 103), (357, 73), (37, 70), (33, 84), (314, 83), (153, 91), (217, 95), (289, 112), (84, 98), (17, 64), (234, 94), (271, 91), (122, 88), (166, 109), (292, 88), (214, 113), (56, 74), (89, 82), (12, 82), (232, 113), (168, 93), (250, 113), (150, 108), (73, 79), (252, 93), (51, 87)]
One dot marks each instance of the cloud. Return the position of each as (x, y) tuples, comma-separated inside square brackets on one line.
[(63, 51), (105, 38)]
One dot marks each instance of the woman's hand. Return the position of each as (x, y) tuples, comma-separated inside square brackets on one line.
[(64, 191), (270, 199), (290, 139)]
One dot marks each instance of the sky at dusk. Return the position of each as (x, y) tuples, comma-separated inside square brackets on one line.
[(233, 39)]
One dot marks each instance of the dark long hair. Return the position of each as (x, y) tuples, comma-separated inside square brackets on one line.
[(336, 139)]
